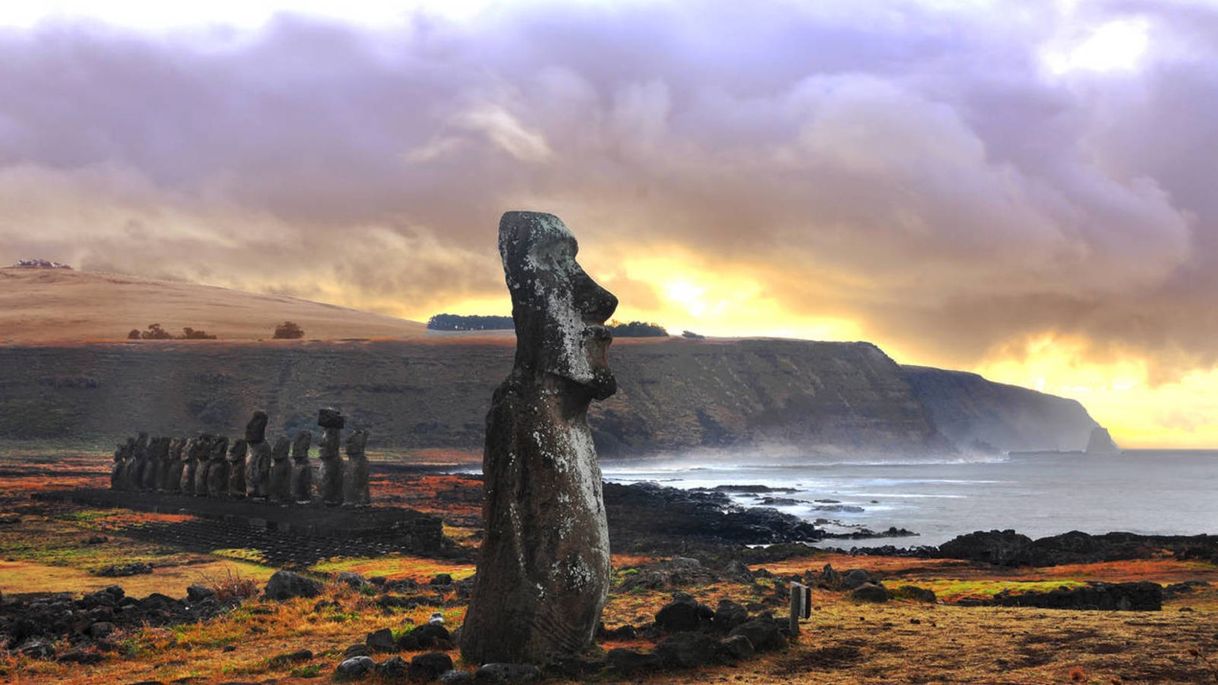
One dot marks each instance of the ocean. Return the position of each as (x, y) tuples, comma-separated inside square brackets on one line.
[(1139, 491)]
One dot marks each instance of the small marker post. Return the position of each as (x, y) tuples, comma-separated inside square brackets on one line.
[(801, 605)]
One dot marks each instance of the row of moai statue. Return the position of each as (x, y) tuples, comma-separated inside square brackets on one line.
[(209, 466)]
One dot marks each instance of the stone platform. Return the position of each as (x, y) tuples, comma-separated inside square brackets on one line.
[(288, 534)]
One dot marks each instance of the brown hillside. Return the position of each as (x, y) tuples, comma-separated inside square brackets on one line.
[(45, 306)]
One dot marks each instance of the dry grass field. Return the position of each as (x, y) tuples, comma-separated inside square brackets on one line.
[(51, 547)]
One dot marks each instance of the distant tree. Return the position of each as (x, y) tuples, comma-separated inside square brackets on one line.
[(691, 335), (288, 330), (134, 334), (189, 333), (637, 329), (471, 322), (155, 332)]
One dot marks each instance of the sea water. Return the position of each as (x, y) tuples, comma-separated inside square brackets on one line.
[(1139, 491)]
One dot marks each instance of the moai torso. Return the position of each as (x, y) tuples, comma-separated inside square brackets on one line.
[(155, 471), (331, 487), (302, 470), (355, 483), (279, 482), (236, 469), (126, 465), (116, 470), (543, 570), (195, 450)]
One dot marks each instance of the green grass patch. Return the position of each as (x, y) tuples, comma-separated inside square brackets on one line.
[(953, 590)]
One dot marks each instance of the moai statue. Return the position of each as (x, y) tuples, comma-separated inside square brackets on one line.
[(135, 474), (173, 473), (194, 448), (236, 469), (158, 453), (116, 471), (212, 469), (355, 483), (258, 464), (126, 465), (302, 470), (279, 484), (331, 422), (543, 570)]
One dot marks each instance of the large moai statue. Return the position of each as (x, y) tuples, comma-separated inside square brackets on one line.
[(355, 480), (258, 464), (172, 482), (237, 460), (139, 461), (158, 453), (126, 465), (279, 482), (331, 488), (302, 470), (543, 571)]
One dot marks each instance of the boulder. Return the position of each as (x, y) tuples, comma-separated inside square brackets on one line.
[(728, 615), (737, 647), (287, 584), (855, 577), (763, 632), (687, 650), (631, 661), (1139, 596), (430, 666), (198, 593), (355, 668), (870, 592), (394, 668), (998, 547), (507, 674), (916, 593), (381, 641), (425, 637), (455, 677), (682, 614)]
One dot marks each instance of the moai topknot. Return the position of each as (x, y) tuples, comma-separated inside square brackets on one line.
[(258, 463), (331, 422), (279, 485), (355, 493), (302, 470), (236, 470), (173, 474), (543, 573)]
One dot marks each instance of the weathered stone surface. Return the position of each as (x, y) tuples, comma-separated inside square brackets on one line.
[(355, 481), (430, 666), (237, 455), (355, 668), (543, 574), (507, 674), (172, 479), (870, 592), (287, 584), (763, 632), (381, 641), (135, 472), (279, 481), (687, 650), (683, 614), (116, 471), (258, 463), (302, 470), (331, 486), (1140, 596)]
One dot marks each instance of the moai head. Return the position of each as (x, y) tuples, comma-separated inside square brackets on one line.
[(118, 451), (330, 418), (300, 447), (176, 447), (355, 444), (237, 451), (255, 430), (558, 310), (279, 451), (129, 448), (141, 446), (202, 447)]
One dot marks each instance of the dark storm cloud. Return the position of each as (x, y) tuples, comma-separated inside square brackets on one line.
[(915, 168)]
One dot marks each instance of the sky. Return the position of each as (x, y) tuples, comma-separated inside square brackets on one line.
[(1024, 189)]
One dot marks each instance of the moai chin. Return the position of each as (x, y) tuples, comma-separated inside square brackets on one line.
[(355, 492), (258, 464), (237, 455), (279, 485), (331, 487), (543, 571), (302, 470)]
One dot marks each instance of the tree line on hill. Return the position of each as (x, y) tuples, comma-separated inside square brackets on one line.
[(288, 330), (479, 322)]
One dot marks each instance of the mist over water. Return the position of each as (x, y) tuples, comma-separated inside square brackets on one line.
[(1139, 491)]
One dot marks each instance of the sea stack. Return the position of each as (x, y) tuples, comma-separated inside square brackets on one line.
[(543, 571)]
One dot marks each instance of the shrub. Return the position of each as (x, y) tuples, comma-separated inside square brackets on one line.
[(288, 330), (134, 334), (691, 335), (637, 329), (472, 322), (232, 586), (189, 333), (155, 332)]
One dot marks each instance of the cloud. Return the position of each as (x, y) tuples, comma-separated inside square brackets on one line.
[(914, 171)]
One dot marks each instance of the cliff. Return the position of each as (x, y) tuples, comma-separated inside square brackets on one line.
[(979, 414), (674, 394)]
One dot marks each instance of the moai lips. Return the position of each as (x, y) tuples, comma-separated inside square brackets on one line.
[(543, 573)]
